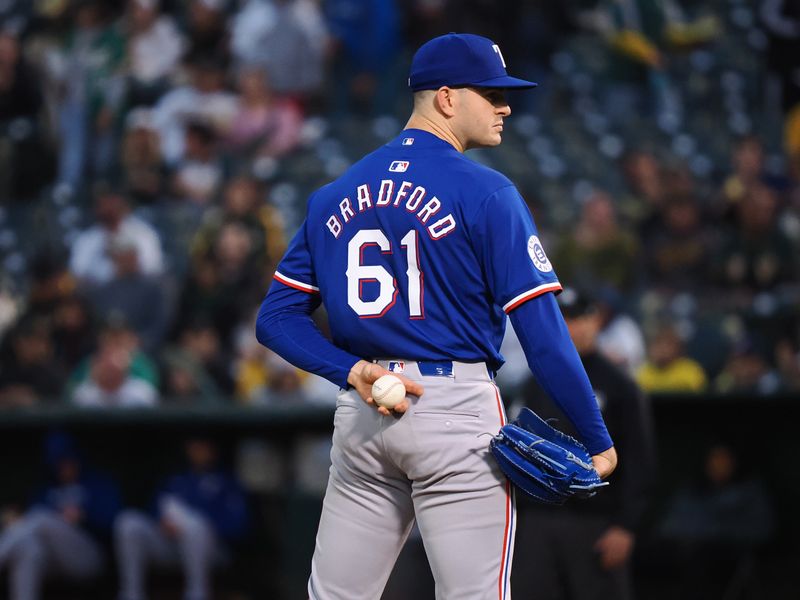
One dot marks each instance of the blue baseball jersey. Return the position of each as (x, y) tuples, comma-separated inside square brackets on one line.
[(418, 252)]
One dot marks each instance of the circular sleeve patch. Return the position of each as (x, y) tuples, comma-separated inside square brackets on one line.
[(539, 258)]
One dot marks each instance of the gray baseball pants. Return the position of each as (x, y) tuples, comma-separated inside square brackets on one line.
[(431, 464), (139, 543), (42, 543)]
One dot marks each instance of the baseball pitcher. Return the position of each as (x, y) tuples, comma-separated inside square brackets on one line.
[(419, 254)]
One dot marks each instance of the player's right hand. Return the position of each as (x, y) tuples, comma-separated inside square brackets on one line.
[(364, 374), (605, 462)]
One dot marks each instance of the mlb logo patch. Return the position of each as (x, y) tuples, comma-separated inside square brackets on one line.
[(399, 166), (397, 366), (408, 141)]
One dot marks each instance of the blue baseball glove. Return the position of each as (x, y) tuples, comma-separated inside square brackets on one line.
[(543, 461)]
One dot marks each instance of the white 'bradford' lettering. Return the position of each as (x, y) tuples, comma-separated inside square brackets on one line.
[(415, 198), (334, 225), (364, 199), (431, 207), (442, 227), (385, 193), (346, 210), (388, 197), (403, 191)]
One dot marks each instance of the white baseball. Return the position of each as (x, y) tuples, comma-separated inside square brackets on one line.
[(388, 391)]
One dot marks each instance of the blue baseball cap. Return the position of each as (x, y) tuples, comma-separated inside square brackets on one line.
[(459, 59)]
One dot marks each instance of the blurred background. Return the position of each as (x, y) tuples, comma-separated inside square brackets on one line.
[(156, 156)]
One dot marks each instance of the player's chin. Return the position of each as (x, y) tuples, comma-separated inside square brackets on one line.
[(487, 141), (494, 138)]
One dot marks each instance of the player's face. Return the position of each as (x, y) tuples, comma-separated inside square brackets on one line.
[(482, 113)]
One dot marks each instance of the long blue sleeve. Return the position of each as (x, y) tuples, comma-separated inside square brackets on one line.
[(557, 367), (284, 325)]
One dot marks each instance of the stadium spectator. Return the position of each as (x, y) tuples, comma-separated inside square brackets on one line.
[(677, 247), (205, 299), (88, 70), (264, 125), (117, 374), (644, 195), (711, 526), (185, 380), (63, 532), (137, 297), (203, 98), (28, 372), (198, 174), (756, 254), (207, 29), (110, 385), (155, 47), (243, 202), (234, 250), (50, 284), (747, 372), (74, 332), (22, 146), (223, 284), (668, 369), (197, 515), (636, 80), (89, 259), (747, 172), (597, 250), (142, 172), (287, 39), (200, 342)]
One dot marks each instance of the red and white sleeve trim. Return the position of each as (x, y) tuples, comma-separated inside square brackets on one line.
[(525, 296), (298, 285)]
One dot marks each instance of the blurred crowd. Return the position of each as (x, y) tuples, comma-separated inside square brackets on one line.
[(155, 156)]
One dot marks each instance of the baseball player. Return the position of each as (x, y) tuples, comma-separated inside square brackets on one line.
[(418, 255)]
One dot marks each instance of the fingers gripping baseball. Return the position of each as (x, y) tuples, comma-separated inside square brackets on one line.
[(364, 374)]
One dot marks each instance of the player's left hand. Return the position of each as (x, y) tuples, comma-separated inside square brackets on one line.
[(364, 374), (605, 462), (614, 547)]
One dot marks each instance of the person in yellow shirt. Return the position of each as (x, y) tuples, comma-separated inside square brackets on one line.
[(667, 368)]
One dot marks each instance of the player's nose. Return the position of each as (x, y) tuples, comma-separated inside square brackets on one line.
[(504, 110)]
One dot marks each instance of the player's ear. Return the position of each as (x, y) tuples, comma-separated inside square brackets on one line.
[(446, 100)]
